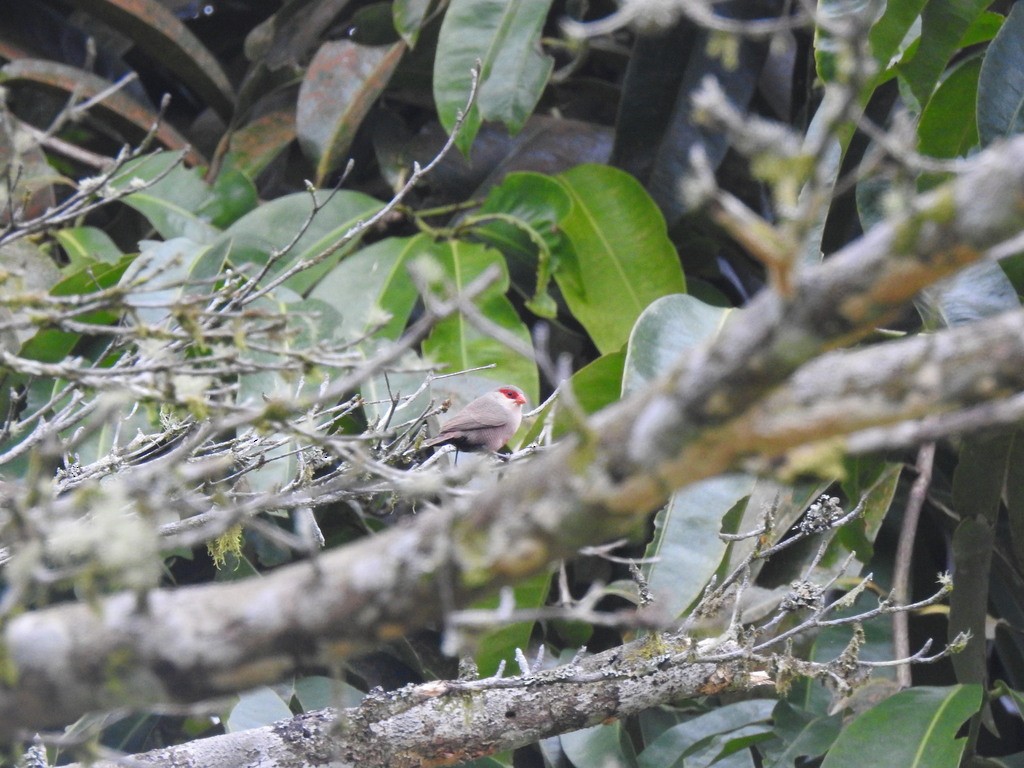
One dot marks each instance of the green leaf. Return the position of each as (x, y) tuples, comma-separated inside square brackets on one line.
[(624, 258), (51, 345), (686, 549), (87, 245), (949, 125), (319, 692), (802, 734), (372, 286), (455, 344), (686, 541), (978, 483), (256, 709), (278, 465), (341, 83), (599, 745), (274, 225), (232, 196), (171, 205), (1001, 86), (505, 38), (25, 270), (943, 25), (158, 276), (520, 218), (788, 502), (983, 29), (665, 330), (595, 386), (500, 644), (698, 733), (408, 17), (890, 31), (877, 493), (926, 720)]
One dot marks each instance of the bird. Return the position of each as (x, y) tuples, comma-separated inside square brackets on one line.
[(486, 424)]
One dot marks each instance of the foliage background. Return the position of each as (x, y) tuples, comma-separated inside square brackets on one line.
[(572, 180)]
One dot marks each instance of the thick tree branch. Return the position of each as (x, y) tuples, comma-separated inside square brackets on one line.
[(415, 727), (199, 642)]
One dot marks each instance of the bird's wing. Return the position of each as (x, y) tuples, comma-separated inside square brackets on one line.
[(462, 422)]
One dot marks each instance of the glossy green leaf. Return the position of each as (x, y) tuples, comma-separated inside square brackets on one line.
[(731, 750), (607, 744), (788, 503), (665, 330), (949, 125), (802, 735), (624, 258), (698, 733), (921, 724), (319, 692), (279, 465), (377, 391), (520, 218), (232, 196), (594, 386), (500, 644), (686, 549), (1001, 87), (156, 278), (257, 708), (52, 345), (978, 484), (275, 224), (87, 245), (408, 17), (341, 83), (505, 38), (170, 204), (983, 29), (182, 203), (167, 41), (877, 490), (890, 32), (943, 25), (455, 344), (371, 289)]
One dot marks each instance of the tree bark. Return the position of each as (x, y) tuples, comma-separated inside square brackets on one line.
[(442, 723)]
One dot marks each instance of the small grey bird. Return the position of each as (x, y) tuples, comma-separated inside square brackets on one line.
[(486, 424)]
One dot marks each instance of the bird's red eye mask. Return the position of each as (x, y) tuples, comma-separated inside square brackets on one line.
[(512, 394)]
